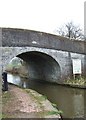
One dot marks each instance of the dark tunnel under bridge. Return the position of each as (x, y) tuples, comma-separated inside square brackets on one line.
[(41, 66)]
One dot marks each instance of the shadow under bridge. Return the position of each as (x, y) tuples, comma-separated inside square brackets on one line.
[(41, 66)]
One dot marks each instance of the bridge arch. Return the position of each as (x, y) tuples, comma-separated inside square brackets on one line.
[(51, 69), (41, 66)]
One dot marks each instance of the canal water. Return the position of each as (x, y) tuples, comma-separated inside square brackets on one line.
[(69, 100)]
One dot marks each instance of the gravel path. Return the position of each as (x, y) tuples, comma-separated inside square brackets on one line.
[(17, 103)]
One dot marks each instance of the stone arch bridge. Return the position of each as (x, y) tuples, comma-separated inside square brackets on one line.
[(49, 57)]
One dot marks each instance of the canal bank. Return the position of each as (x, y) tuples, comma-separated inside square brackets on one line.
[(26, 103), (69, 100)]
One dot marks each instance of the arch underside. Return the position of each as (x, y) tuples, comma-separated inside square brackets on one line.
[(41, 66)]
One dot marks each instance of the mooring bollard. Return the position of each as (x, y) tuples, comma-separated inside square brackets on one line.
[(5, 83)]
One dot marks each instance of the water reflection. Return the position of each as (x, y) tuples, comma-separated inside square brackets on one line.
[(78, 107), (69, 100)]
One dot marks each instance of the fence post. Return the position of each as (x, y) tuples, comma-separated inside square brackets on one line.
[(5, 83)]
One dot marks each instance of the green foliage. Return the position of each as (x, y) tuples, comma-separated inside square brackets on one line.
[(78, 81), (5, 97), (36, 95), (54, 112), (54, 105), (0, 116)]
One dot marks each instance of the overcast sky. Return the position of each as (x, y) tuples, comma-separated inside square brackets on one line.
[(41, 15)]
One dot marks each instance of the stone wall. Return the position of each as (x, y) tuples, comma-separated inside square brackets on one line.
[(60, 57), (21, 38), (60, 50)]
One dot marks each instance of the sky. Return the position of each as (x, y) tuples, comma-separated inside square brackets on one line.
[(41, 15)]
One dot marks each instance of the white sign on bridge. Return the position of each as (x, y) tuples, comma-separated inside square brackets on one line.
[(76, 66)]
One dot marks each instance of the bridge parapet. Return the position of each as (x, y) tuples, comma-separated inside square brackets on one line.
[(21, 38)]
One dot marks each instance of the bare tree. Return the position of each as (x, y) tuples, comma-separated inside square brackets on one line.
[(71, 31)]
